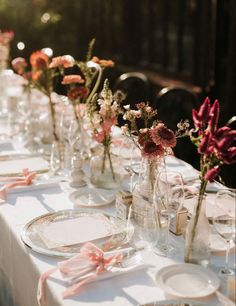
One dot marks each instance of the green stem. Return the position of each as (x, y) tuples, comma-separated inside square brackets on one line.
[(111, 166), (53, 115), (196, 218), (97, 81), (104, 159)]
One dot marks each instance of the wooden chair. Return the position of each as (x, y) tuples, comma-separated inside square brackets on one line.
[(135, 85), (175, 104)]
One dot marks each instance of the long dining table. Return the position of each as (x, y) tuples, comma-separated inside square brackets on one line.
[(21, 267)]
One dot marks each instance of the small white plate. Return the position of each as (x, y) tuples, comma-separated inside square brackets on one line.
[(187, 280), (92, 197)]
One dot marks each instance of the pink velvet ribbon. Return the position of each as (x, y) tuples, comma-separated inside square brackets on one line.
[(24, 180), (89, 264)]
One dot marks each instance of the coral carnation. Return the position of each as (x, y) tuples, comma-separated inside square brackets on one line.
[(72, 79)]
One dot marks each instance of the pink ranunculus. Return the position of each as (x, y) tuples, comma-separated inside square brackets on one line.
[(214, 116), (72, 79), (151, 150), (99, 136), (65, 61), (162, 135), (211, 174)]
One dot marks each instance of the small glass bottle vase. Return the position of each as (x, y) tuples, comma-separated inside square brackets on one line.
[(104, 170), (144, 189), (197, 236)]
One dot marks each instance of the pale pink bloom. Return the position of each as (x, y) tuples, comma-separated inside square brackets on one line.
[(66, 61), (127, 107), (143, 131), (124, 129), (107, 125), (148, 109), (99, 136), (72, 79)]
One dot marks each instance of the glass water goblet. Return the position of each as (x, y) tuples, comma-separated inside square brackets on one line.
[(168, 199), (142, 228), (224, 222)]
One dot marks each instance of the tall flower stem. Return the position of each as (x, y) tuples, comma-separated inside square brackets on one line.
[(111, 166), (53, 115), (196, 217)]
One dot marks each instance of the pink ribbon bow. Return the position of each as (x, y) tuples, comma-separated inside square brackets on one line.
[(89, 264), (24, 180)]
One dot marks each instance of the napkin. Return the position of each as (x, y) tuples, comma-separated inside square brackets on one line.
[(14, 166), (90, 265)]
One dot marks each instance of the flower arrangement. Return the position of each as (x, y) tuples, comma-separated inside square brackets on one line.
[(216, 147), (102, 119), (5, 39), (154, 139), (82, 87), (42, 74)]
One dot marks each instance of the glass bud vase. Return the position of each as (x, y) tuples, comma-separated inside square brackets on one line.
[(197, 235), (144, 189), (104, 170), (55, 158)]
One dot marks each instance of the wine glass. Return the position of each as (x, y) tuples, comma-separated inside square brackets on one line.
[(131, 159), (168, 199), (142, 228), (224, 222)]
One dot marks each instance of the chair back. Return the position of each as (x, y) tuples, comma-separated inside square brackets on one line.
[(135, 85), (174, 104)]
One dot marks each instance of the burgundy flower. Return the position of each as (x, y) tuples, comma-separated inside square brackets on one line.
[(142, 138), (151, 150), (78, 92), (201, 118), (211, 174), (214, 116), (163, 136), (222, 132), (205, 144)]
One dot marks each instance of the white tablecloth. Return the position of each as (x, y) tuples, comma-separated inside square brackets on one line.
[(21, 267)]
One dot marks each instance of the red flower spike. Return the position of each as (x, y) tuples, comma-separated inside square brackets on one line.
[(214, 116), (211, 174)]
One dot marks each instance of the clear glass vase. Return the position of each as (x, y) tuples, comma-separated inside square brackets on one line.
[(104, 169), (144, 189), (197, 235)]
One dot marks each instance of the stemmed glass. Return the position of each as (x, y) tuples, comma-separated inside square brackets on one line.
[(131, 159), (224, 221), (142, 228), (168, 199)]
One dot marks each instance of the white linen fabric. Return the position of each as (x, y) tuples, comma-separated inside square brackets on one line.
[(21, 267)]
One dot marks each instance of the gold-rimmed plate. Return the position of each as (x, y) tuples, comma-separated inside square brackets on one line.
[(63, 233)]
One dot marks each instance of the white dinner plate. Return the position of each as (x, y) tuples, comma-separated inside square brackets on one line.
[(187, 280), (92, 197)]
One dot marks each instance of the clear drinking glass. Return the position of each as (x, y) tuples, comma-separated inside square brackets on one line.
[(225, 223), (168, 199), (142, 228)]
